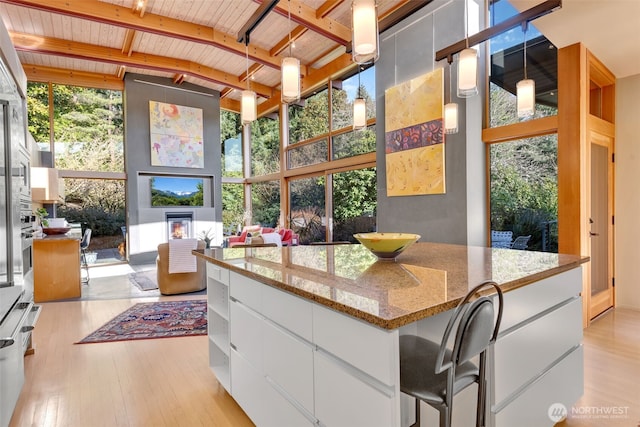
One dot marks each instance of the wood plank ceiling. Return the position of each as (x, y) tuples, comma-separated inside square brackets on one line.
[(95, 42)]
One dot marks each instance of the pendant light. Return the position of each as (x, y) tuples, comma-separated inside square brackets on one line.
[(359, 109), (450, 108), (364, 33), (526, 88), (467, 65), (248, 104), (290, 73)]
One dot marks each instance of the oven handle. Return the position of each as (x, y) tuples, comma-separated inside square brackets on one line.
[(9, 341)]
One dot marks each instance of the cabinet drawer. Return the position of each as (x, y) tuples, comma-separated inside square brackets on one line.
[(246, 334), (344, 400), (289, 311), (280, 412), (561, 384), (523, 303), (527, 351), (218, 273), (375, 351), (289, 363), (248, 388), (247, 291)]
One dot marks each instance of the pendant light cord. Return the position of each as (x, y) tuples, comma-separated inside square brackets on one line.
[(289, 3), (247, 56), (524, 31)]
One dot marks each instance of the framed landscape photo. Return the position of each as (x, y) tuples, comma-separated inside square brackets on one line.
[(176, 135), (176, 191)]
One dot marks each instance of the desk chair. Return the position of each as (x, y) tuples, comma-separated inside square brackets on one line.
[(432, 373), (84, 245)]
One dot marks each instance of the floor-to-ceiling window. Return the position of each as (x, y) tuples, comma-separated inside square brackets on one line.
[(522, 151), (83, 130), (323, 182)]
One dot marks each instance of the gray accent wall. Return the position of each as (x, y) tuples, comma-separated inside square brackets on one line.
[(407, 50), (145, 223)]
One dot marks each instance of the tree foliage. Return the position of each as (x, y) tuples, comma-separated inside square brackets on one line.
[(88, 133), (524, 189)]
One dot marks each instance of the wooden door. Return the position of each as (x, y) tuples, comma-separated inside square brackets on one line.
[(601, 222)]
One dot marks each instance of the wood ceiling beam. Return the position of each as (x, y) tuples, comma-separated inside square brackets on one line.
[(226, 92), (127, 44), (111, 14), (327, 7), (306, 16), (283, 44), (37, 73), (70, 49), (121, 71)]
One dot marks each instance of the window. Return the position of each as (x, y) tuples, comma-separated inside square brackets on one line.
[(309, 121), (231, 140), (88, 129), (354, 203), (38, 108), (308, 154), (88, 132), (507, 69), (524, 190), (308, 213), (353, 143), (265, 146), (342, 98), (265, 203)]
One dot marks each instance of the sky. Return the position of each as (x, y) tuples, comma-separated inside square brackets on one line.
[(503, 10), (367, 78), (177, 185)]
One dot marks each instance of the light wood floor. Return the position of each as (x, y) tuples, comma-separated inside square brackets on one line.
[(166, 382)]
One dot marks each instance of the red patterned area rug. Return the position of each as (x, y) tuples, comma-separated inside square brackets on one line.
[(165, 319)]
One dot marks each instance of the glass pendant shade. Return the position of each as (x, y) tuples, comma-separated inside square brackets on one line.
[(290, 79), (467, 73), (359, 113), (364, 36), (526, 93), (248, 107), (451, 118)]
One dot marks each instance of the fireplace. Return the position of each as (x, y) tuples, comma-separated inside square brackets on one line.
[(179, 225)]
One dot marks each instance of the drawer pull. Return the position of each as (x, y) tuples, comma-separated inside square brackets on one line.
[(6, 342)]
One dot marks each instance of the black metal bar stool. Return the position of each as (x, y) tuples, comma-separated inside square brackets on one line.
[(84, 245), (432, 373)]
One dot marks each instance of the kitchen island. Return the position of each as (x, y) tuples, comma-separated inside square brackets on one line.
[(56, 268), (309, 334)]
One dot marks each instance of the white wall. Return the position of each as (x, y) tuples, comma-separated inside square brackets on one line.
[(627, 195)]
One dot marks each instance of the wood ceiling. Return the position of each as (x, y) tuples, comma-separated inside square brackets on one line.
[(94, 43)]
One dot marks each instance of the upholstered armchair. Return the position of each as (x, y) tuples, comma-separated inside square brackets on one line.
[(179, 283)]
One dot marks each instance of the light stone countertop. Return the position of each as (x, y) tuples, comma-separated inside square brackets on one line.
[(426, 279)]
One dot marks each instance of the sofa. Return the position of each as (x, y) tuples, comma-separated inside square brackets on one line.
[(179, 283), (288, 237)]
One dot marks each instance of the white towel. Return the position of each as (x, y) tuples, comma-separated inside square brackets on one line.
[(181, 260), (272, 238)]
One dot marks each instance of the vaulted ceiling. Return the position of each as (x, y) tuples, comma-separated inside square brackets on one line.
[(95, 42)]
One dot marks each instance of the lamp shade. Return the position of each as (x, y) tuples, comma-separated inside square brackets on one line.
[(248, 106), (451, 118), (290, 79), (364, 37), (467, 73), (526, 93), (359, 113)]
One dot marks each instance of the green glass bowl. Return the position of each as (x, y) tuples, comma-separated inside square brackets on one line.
[(386, 245)]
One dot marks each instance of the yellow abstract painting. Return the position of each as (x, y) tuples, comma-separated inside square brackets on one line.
[(414, 137)]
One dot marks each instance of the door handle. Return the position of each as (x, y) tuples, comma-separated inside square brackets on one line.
[(592, 234)]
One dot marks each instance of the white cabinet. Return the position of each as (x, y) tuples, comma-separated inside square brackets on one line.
[(218, 323)]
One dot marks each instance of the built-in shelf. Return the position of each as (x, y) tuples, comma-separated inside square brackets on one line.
[(218, 323)]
